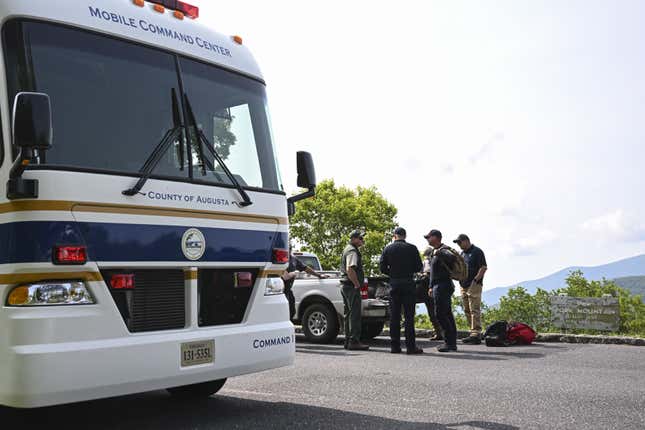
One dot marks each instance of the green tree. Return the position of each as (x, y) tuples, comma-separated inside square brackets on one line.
[(519, 305), (224, 138), (322, 224)]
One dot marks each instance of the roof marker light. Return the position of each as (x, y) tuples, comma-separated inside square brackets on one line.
[(238, 39), (159, 8), (139, 3), (178, 14)]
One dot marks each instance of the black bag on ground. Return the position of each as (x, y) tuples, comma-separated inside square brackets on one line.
[(496, 334)]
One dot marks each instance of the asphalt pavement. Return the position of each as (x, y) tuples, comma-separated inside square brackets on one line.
[(544, 386)]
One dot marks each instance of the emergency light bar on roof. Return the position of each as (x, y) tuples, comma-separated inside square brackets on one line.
[(187, 9)]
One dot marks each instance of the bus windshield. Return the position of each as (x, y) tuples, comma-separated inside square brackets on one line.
[(112, 104)]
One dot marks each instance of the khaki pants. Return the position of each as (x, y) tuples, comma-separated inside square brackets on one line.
[(472, 299)]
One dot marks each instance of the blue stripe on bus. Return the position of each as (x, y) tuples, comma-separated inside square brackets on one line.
[(32, 242)]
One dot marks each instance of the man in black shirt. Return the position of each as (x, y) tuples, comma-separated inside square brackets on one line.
[(400, 261), (442, 289), (471, 288), (289, 277)]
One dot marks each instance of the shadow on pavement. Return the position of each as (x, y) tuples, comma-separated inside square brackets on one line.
[(464, 353), (156, 410)]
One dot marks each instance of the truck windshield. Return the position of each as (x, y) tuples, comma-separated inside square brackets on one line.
[(111, 103)]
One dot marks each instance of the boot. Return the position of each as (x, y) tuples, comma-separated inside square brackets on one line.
[(357, 346)]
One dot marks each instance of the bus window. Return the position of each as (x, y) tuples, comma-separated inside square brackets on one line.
[(111, 100), (230, 110)]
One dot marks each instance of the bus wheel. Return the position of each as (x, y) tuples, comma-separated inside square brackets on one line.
[(203, 389), (320, 323)]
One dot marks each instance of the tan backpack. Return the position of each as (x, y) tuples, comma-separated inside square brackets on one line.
[(459, 269)]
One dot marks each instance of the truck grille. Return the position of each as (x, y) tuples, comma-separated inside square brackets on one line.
[(221, 300), (157, 302)]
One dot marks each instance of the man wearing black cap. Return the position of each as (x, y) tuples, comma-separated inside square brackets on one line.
[(471, 288), (400, 261), (352, 277), (442, 289)]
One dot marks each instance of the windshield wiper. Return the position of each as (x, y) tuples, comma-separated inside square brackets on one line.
[(202, 141), (170, 137)]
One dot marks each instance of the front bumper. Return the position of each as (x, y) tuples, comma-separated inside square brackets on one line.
[(48, 374)]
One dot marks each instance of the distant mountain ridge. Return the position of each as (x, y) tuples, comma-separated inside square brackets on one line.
[(628, 267), (635, 284)]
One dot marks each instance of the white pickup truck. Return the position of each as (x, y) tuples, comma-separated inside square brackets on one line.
[(319, 303)]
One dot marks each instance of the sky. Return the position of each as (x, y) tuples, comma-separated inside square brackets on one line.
[(518, 123)]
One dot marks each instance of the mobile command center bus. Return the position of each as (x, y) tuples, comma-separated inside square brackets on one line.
[(143, 224)]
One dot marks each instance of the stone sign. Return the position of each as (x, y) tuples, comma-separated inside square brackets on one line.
[(601, 313)]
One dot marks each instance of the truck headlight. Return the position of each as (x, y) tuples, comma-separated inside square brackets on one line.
[(50, 293), (274, 286)]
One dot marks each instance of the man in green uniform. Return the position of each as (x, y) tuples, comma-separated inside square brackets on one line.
[(352, 277)]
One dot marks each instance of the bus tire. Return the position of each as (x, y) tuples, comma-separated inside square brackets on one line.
[(203, 389), (371, 329), (320, 323)]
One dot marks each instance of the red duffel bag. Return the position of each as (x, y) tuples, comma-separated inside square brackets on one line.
[(520, 334)]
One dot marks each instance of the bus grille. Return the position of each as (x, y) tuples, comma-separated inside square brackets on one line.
[(157, 302), (221, 300)]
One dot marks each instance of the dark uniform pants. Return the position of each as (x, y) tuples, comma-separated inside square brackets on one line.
[(432, 314), (402, 294), (288, 292), (442, 295), (352, 301)]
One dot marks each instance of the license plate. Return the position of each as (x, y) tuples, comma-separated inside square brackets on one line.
[(194, 353)]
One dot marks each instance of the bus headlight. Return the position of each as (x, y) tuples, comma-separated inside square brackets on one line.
[(50, 293), (274, 286)]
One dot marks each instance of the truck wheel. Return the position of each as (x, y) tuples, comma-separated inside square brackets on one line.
[(371, 329), (203, 389), (320, 324)]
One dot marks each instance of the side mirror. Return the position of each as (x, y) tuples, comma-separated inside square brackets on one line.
[(306, 170), (32, 133), (306, 179), (32, 121)]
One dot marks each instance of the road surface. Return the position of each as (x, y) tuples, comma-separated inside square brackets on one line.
[(547, 386)]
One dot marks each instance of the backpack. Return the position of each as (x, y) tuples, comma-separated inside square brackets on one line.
[(520, 334), (459, 269), (502, 333), (496, 334)]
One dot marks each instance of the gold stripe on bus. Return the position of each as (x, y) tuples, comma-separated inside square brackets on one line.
[(190, 275), (59, 205), (266, 273), (21, 278), (36, 205)]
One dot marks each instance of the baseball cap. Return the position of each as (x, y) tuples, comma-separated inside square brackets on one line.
[(400, 231), (356, 234), (461, 238), (434, 233)]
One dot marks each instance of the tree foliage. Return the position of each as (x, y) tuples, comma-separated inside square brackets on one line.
[(322, 224), (535, 309)]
